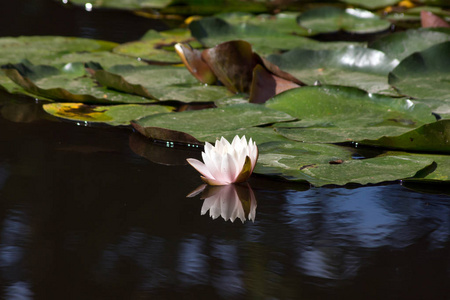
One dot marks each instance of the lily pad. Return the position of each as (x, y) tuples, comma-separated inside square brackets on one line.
[(328, 19), (120, 4), (156, 46), (322, 164), (373, 4), (218, 121), (402, 44), (111, 114), (44, 49), (160, 82), (439, 173), (352, 66), (212, 31), (424, 74), (332, 114), (283, 22), (433, 137), (69, 82)]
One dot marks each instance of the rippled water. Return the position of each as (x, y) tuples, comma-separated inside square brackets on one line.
[(100, 213)]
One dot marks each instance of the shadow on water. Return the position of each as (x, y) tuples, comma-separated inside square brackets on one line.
[(99, 213)]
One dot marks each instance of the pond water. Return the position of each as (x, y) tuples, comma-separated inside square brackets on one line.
[(101, 213)]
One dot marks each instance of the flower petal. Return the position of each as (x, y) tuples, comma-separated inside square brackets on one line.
[(200, 167), (212, 181), (246, 171)]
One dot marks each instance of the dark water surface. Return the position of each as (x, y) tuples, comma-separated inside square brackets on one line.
[(83, 216)]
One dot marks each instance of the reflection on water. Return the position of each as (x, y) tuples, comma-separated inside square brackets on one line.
[(228, 201)]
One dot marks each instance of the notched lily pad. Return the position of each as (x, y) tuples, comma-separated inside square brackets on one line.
[(211, 31), (159, 82), (425, 74), (351, 66), (311, 162), (332, 114), (402, 44), (433, 137), (45, 49), (331, 19), (156, 47), (216, 120), (70, 82)]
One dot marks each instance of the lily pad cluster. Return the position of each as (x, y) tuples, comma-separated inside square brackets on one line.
[(326, 113)]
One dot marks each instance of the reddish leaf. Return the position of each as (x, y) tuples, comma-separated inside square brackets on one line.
[(232, 62), (265, 85), (429, 19), (192, 59)]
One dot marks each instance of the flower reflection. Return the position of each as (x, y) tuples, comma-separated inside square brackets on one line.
[(228, 201)]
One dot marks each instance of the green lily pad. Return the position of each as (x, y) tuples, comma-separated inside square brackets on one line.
[(202, 7), (111, 114), (433, 137), (352, 66), (332, 114), (322, 164), (265, 40), (331, 19), (424, 74), (106, 59), (69, 82), (216, 121), (402, 44), (160, 82), (373, 4), (157, 46), (120, 4), (44, 49), (283, 22), (439, 173)]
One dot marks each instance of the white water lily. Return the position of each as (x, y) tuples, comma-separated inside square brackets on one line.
[(226, 163)]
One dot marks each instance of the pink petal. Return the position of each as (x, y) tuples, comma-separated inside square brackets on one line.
[(200, 167)]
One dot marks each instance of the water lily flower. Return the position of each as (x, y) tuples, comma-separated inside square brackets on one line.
[(226, 163)]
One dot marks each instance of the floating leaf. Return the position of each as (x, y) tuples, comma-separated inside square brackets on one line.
[(160, 82), (331, 114), (322, 164), (192, 59), (373, 4), (201, 7), (424, 74), (433, 137), (45, 49), (69, 82), (265, 85), (120, 4), (402, 44), (215, 120), (155, 47), (330, 19), (112, 114), (440, 171), (212, 31), (283, 22), (232, 63), (352, 66), (428, 19)]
